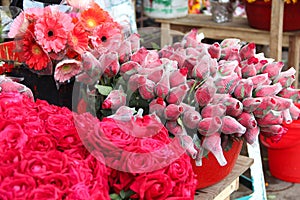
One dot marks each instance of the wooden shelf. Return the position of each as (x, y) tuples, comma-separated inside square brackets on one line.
[(226, 187)]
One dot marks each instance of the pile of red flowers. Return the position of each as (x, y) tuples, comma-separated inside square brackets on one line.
[(43, 157)]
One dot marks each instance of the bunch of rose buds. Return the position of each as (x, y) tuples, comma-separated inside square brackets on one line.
[(203, 92)]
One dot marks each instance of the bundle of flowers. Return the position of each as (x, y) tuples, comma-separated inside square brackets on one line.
[(41, 154), (43, 157), (51, 38), (205, 95)]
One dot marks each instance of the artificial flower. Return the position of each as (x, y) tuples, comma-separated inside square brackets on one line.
[(66, 69)]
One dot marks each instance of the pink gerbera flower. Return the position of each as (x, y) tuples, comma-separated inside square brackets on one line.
[(107, 35), (66, 69), (78, 39), (19, 25), (34, 55), (80, 4), (51, 30)]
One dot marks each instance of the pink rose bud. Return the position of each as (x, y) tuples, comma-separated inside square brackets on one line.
[(282, 103), (192, 52), (155, 75), (230, 126), (134, 41), (260, 65), (147, 90), (210, 125), (114, 100), (177, 94), (273, 129), (179, 57), (189, 63), (191, 119), (201, 69), (231, 42), (173, 111), (248, 51), (129, 66), (261, 79), (286, 78), (268, 103), (158, 106), (188, 144), (205, 93), (166, 52), (162, 88), (248, 71), (212, 143), (247, 120), (273, 69), (227, 67), (213, 67), (190, 83), (271, 118), (233, 106), (174, 128), (215, 50), (243, 89), (294, 111), (287, 117), (251, 134), (290, 93), (233, 55), (251, 104), (238, 71), (267, 90), (190, 39), (178, 77), (213, 110), (135, 81), (110, 62), (227, 84), (186, 107), (124, 51)]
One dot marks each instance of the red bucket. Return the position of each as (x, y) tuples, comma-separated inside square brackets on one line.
[(211, 172), (284, 159)]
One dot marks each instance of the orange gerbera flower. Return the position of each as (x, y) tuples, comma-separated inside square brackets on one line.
[(94, 16), (78, 39)]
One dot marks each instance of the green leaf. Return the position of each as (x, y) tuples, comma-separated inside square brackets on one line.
[(122, 194), (103, 90), (155, 46), (114, 196)]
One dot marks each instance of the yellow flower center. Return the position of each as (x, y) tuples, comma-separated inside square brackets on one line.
[(91, 23), (66, 68), (36, 50), (75, 41)]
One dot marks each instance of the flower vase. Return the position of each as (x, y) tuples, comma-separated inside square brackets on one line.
[(283, 156), (211, 172), (259, 15)]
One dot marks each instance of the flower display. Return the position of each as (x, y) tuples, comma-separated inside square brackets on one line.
[(47, 37), (41, 153), (286, 1)]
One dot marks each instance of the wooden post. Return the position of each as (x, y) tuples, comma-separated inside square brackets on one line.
[(276, 29), (5, 2)]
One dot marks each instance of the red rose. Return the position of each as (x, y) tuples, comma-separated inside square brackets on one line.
[(20, 185), (42, 142), (178, 170), (69, 140), (45, 192), (10, 99), (33, 125), (44, 109), (5, 195), (156, 186), (79, 191), (13, 137), (9, 162), (56, 124), (60, 181)]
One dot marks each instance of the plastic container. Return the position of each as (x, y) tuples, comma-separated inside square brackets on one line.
[(211, 172), (165, 9), (284, 159)]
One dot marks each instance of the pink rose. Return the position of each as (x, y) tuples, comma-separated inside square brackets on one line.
[(114, 100), (152, 186), (59, 180), (147, 90), (178, 77), (177, 94), (204, 94), (213, 110), (79, 191), (69, 140), (230, 126), (10, 160), (56, 124), (110, 64), (173, 111), (273, 69), (178, 170), (191, 119), (248, 51), (215, 50), (210, 125), (157, 106), (6, 195), (162, 88)]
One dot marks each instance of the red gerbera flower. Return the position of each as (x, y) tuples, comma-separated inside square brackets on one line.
[(78, 39), (94, 16), (34, 55)]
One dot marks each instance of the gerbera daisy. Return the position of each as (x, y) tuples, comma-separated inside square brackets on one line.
[(107, 35), (34, 55), (19, 25), (66, 69), (51, 30), (78, 39), (94, 16)]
